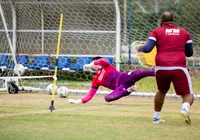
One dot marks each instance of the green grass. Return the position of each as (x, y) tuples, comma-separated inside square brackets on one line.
[(26, 117)]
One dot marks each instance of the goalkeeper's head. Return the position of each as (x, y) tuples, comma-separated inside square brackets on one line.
[(167, 18), (95, 67), (96, 58), (91, 66)]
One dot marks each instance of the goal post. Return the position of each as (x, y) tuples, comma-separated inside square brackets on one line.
[(12, 48)]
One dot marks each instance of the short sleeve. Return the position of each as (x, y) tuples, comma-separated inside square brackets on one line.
[(153, 35), (189, 40)]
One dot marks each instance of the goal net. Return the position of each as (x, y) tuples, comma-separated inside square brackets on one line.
[(140, 17), (91, 28)]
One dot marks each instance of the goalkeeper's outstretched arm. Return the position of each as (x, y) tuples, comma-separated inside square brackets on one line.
[(100, 62), (86, 98), (97, 64)]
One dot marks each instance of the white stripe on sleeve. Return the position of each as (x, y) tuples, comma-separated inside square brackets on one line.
[(189, 41), (152, 38)]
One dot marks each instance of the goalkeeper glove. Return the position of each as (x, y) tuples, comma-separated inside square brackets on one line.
[(87, 67), (72, 101)]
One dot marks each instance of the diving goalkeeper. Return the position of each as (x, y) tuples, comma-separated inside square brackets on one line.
[(122, 83)]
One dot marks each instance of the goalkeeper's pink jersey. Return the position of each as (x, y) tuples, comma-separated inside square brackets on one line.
[(170, 42), (106, 76)]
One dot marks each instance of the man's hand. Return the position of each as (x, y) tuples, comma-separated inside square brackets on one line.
[(72, 101), (137, 48)]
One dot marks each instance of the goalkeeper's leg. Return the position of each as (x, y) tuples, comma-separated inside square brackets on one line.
[(139, 74), (118, 93), (129, 78)]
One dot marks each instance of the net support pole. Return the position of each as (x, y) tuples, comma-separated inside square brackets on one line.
[(118, 34), (129, 28), (14, 38)]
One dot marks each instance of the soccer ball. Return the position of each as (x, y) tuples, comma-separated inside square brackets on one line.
[(63, 92), (20, 68), (50, 89)]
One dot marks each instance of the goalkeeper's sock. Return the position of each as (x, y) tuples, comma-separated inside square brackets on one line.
[(132, 88)]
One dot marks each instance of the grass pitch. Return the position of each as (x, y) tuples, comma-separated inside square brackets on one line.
[(26, 116)]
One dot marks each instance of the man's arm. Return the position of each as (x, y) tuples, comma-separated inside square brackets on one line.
[(85, 99), (148, 46), (102, 62), (188, 49)]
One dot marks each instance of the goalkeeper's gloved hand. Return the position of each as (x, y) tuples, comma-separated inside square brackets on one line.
[(87, 67), (72, 101)]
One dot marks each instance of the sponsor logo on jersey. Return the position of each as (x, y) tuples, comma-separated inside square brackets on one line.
[(172, 31), (101, 75)]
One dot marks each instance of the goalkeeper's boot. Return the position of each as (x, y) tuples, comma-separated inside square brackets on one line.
[(186, 116), (156, 120)]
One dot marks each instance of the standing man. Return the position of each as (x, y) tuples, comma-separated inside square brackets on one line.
[(173, 44)]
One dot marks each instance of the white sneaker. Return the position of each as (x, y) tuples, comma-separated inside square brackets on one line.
[(156, 120), (186, 116)]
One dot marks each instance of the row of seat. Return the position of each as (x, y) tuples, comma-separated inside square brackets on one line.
[(42, 62)]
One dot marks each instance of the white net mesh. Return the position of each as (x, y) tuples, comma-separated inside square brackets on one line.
[(140, 17), (89, 29)]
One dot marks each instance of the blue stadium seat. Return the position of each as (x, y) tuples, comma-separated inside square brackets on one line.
[(4, 61), (21, 59), (63, 62), (110, 60), (40, 62), (80, 62)]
